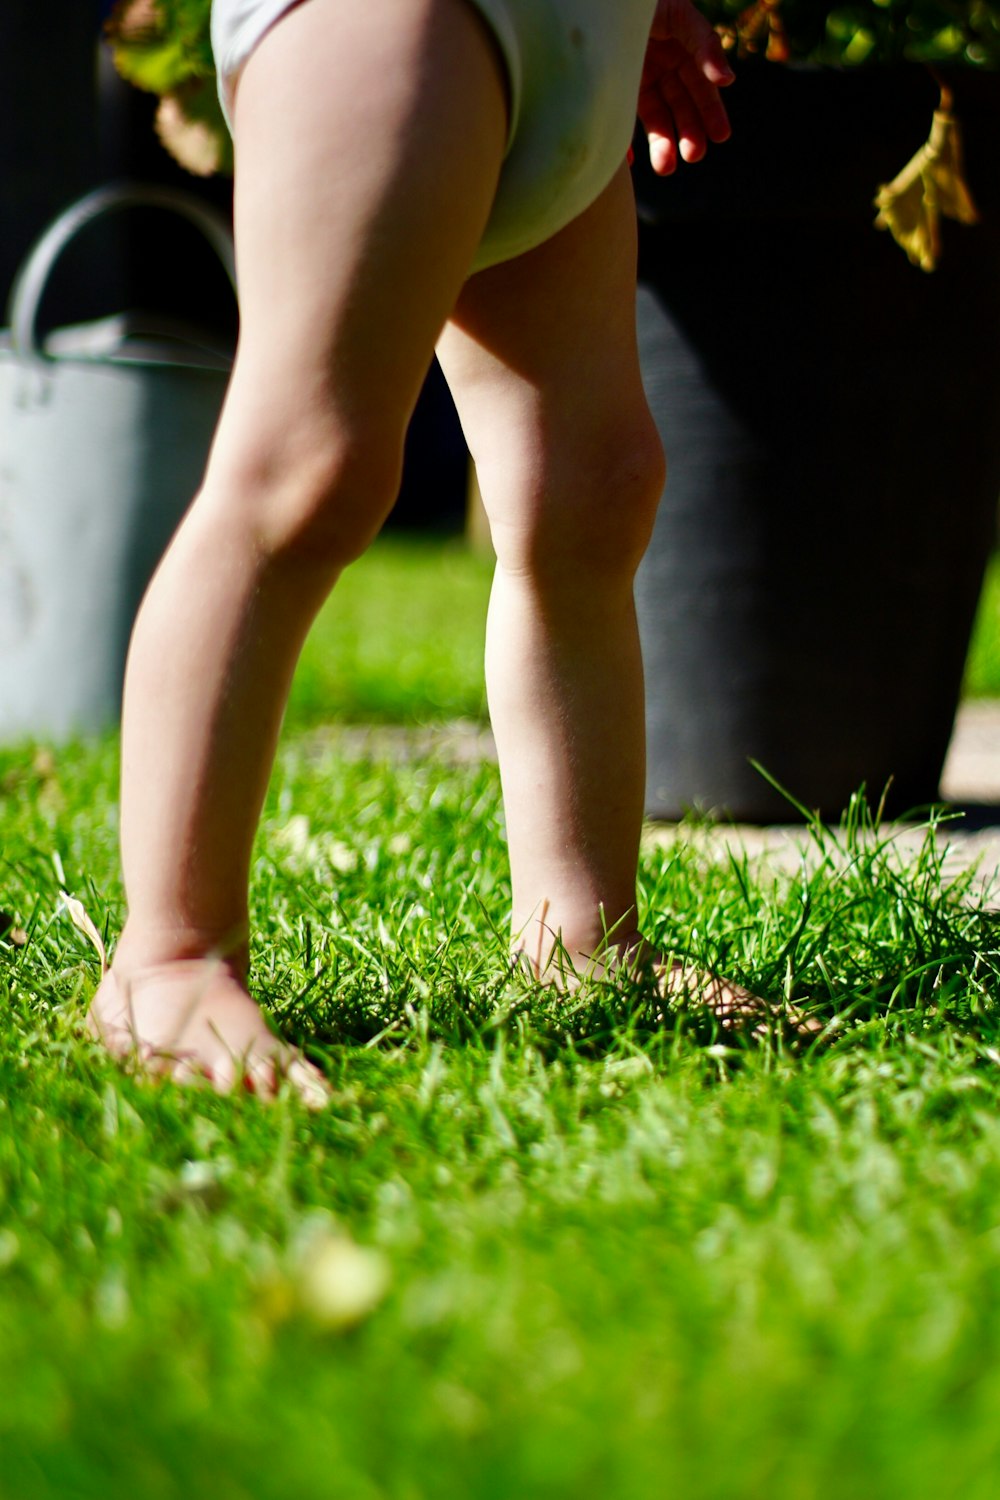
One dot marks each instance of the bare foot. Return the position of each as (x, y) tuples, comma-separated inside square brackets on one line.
[(734, 1007), (193, 1021), (632, 960)]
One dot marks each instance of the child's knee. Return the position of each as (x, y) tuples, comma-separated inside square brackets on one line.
[(586, 514), (312, 493)]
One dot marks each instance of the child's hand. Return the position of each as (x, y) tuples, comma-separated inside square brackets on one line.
[(679, 103)]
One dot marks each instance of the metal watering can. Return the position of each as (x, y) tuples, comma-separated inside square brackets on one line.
[(104, 432)]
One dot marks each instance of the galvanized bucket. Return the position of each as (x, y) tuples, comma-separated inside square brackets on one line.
[(104, 432)]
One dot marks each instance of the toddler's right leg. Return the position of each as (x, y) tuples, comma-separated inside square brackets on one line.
[(368, 143)]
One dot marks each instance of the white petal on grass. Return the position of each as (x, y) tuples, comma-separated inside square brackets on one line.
[(111, 1299), (620, 1072), (203, 1180), (337, 1283), (628, 1069), (295, 835), (77, 913), (342, 857)]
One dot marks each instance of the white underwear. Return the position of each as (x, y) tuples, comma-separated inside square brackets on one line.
[(573, 69)]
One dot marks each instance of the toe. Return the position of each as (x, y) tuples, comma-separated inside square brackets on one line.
[(194, 1023), (308, 1084)]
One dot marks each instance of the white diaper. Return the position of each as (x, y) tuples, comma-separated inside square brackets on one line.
[(573, 69)]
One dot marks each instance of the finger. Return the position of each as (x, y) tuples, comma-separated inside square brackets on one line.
[(695, 104), (663, 156), (658, 122), (680, 111), (707, 103), (710, 60), (692, 141), (671, 122), (662, 138)]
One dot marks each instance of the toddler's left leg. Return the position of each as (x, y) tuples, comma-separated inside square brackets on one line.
[(541, 357)]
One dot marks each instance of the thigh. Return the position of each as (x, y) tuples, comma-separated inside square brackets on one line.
[(540, 354), (368, 141)]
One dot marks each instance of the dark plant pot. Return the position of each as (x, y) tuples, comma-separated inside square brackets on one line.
[(832, 422)]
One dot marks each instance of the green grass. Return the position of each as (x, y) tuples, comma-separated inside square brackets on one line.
[(401, 638), (534, 1248), (982, 670), (621, 1254)]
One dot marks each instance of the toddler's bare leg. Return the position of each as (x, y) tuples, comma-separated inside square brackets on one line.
[(369, 142), (541, 357)]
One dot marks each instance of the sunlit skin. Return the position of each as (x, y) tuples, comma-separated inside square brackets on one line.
[(345, 255)]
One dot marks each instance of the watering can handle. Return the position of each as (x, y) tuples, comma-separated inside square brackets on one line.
[(32, 278)]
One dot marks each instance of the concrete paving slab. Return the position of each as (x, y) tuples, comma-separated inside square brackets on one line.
[(972, 769)]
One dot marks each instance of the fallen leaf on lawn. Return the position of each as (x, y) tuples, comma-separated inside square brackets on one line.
[(77, 913)]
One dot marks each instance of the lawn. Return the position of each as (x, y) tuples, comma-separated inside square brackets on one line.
[(400, 640), (365, 662), (533, 1249), (982, 672)]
